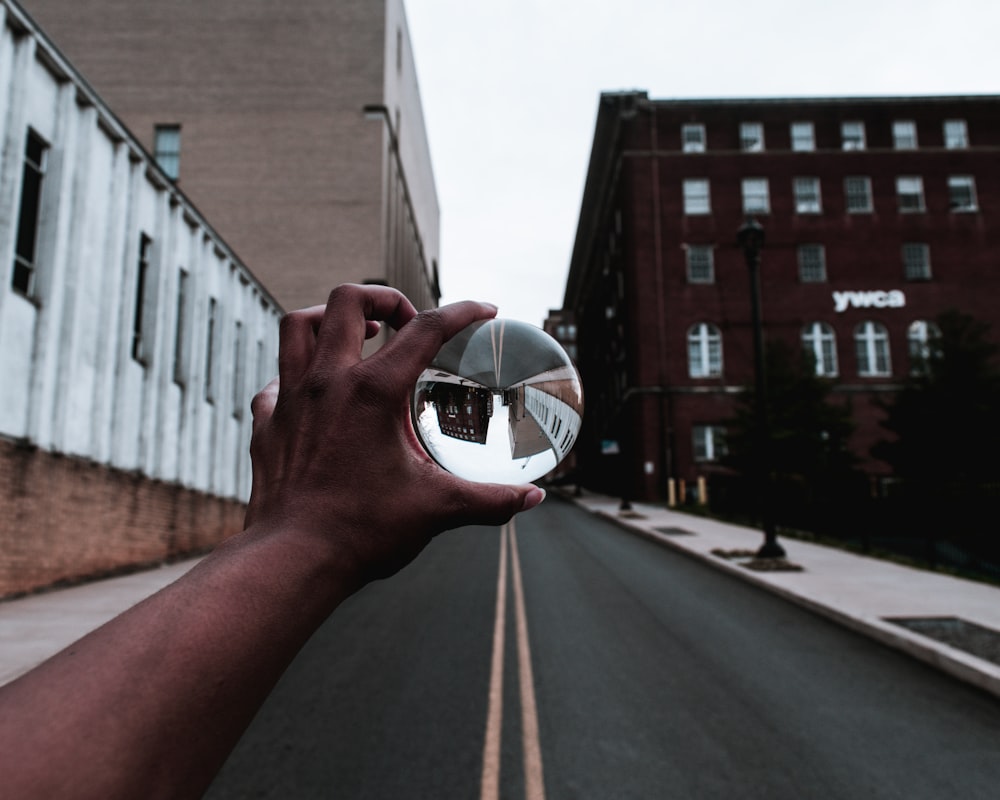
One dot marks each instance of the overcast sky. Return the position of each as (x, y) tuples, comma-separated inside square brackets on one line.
[(510, 92)]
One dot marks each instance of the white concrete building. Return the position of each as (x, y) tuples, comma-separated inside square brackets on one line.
[(130, 334)]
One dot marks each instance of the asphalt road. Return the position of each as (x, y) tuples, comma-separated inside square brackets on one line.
[(652, 676)]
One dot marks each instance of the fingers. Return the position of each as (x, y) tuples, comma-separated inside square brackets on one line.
[(349, 311), (263, 403), (417, 344), (297, 343)]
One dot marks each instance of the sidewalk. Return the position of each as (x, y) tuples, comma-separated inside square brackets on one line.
[(35, 627), (857, 591)]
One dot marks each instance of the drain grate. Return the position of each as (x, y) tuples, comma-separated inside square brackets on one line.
[(974, 639), (674, 531)]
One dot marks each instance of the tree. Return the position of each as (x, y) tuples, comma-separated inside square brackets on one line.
[(810, 462), (944, 423)]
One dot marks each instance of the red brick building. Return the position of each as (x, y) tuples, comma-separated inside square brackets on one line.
[(879, 214)]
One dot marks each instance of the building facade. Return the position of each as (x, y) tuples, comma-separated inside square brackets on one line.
[(297, 128), (878, 213), (132, 338)]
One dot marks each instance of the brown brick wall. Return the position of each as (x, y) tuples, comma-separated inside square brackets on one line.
[(64, 519)]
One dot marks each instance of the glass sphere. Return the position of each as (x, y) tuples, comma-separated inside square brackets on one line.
[(500, 403)]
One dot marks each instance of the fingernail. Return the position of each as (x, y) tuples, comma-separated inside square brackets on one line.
[(533, 498)]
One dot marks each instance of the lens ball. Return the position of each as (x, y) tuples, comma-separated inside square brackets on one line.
[(500, 403)]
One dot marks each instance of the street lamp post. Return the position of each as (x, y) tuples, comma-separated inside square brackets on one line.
[(750, 237)]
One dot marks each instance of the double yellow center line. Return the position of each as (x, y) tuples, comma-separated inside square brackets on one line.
[(534, 785)]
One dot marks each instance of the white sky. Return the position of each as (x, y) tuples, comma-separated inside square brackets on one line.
[(510, 92)]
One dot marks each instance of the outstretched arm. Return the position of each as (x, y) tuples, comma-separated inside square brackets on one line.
[(151, 704)]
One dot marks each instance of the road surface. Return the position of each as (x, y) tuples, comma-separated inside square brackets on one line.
[(611, 668)]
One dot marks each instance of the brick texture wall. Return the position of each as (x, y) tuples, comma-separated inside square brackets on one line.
[(64, 519)]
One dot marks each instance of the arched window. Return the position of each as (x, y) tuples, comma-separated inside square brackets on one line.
[(819, 339), (871, 342), (704, 351), (919, 337)]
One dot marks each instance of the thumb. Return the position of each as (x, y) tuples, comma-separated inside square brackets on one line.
[(493, 503)]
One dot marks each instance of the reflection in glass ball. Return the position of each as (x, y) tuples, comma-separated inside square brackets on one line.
[(500, 403)]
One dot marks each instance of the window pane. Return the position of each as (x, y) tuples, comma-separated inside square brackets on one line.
[(872, 346), (756, 197), (916, 261), (956, 134), (700, 264), (858, 191), (803, 136), (167, 149), (904, 135), (853, 135), (696, 196), (704, 351), (708, 442), (693, 138), (819, 339), (29, 213), (751, 137), (920, 335), (812, 263), (910, 193), (961, 193), (807, 195), (181, 331), (139, 345)]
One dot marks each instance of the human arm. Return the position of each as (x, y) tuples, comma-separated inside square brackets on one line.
[(151, 704)]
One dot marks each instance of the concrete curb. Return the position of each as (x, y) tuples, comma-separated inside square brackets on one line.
[(970, 669)]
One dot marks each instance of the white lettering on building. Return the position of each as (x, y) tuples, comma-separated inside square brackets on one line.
[(878, 299)]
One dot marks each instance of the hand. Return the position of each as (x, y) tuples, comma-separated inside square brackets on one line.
[(335, 458)]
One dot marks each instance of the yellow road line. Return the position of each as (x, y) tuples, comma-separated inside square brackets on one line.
[(490, 784), (534, 784)]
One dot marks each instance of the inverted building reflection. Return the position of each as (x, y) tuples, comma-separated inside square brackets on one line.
[(541, 411)]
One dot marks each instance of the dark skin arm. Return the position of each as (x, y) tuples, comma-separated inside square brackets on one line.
[(151, 704)]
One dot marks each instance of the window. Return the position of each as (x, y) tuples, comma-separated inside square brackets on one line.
[(752, 137), (696, 196), (25, 253), (819, 339), (709, 442), (167, 149), (210, 358), (962, 193), (871, 342), (803, 137), (910, 193), (904, 134), (812, 263), (919, 337), (181, 331), (807, 195), (756, 197), (916, 261), (956, 134), (852, 135), (693, 138), (238, 370), (700, 264), (139, 345), (858, 191), (704, 351)]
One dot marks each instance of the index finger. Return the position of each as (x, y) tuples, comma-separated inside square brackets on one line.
[(349, 311), (415, 346)]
